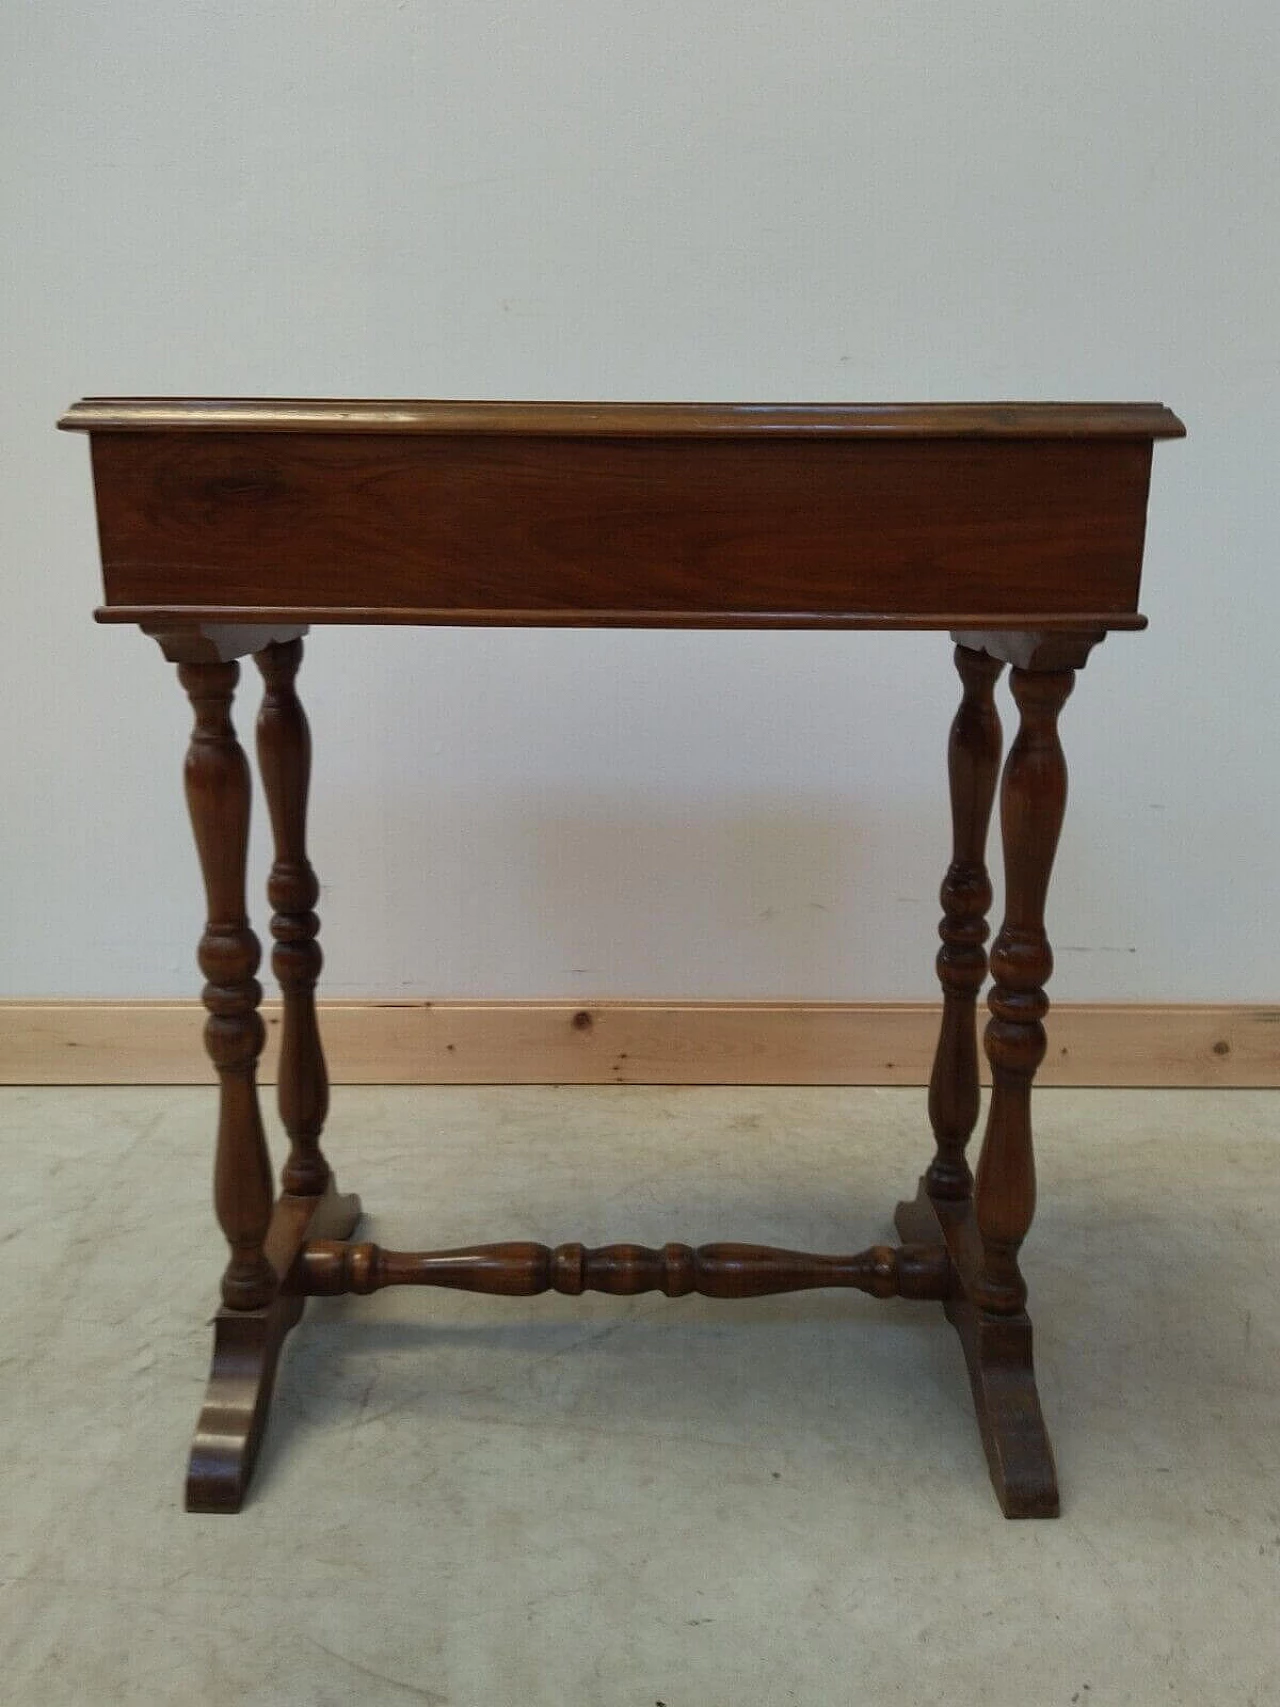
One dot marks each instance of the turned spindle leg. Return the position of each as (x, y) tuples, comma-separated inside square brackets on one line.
[(1033, 797), (973, 762), (262, 1298), (217, 786), (284, 759), (983, 1230)]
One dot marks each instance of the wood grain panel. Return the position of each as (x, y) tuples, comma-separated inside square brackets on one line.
[(557, 1042), (517, 525)]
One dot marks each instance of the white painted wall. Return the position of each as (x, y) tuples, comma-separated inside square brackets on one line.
[(681, 198)]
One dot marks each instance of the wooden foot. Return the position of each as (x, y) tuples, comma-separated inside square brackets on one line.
[(246, 1350), (997, 1350)]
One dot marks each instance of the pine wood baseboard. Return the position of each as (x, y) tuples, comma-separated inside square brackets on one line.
[(619, 1042)]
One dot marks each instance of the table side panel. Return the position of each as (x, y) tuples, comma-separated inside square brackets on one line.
[(539, 524)]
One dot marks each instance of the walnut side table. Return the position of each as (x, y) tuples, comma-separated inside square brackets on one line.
[(228, 526)]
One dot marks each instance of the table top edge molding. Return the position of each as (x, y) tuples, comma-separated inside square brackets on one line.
[(197, 616), (624, 420)]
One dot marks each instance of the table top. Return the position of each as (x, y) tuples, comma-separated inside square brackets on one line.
[(849, 515), (625, 420)]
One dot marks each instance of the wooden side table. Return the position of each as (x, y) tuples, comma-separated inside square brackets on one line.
[(227, 526)]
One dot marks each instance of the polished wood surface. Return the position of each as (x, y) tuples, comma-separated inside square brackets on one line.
[(227, 525), (522, 1270), (724, 515), (217, 785), (246, 1351), (446, 527), (1033, 800), (973, 760), (625, 420), (998, 1355), (284, 760)]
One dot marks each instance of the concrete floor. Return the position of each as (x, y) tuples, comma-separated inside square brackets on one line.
[(604, 1502)]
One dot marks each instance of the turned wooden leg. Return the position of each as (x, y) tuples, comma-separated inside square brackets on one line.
[(1033, 798), (262, 1290), (983, 1232), (217, 786), (284, 759), (973, 762)]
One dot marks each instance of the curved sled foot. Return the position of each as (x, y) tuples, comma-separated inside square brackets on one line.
[(246, 1350), (1003, 1378), (997, 1350)]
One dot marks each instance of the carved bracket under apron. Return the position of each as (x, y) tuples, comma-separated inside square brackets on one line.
[(219, 642), (1031, 649)]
